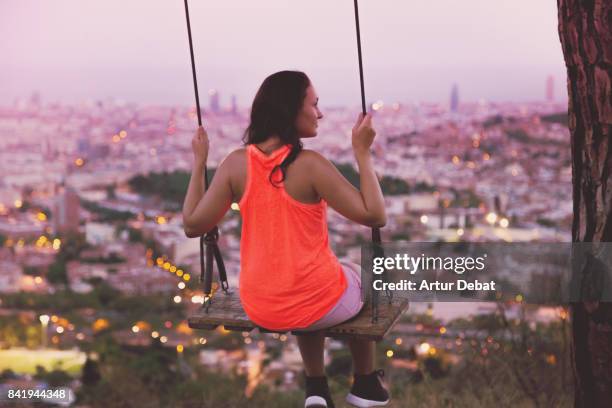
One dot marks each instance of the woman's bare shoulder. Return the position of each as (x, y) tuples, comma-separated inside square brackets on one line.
[(235, 157), (312, 156), (313, 159)]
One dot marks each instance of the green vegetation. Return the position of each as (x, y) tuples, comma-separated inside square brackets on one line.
[(465, 199), (394, 186), (171, 186), (107, 214), (497, 361), (102, 296), (13, 333), (72, 245), (423, 187), (111, 259), (57, 274), (156, 377), (135, 235), (32, 270), (149, 377), (401, 236), (111, 191), (389, 185), (561, 118), (519, 135), (493, 121), (546, 222), (523, 137)]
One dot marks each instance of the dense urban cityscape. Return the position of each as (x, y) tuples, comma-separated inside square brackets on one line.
[(95, 262)]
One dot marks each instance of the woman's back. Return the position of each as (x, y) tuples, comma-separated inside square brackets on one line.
[(289, 276), (298, 182)]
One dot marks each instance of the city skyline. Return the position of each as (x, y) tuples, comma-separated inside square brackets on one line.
[(140, 54)]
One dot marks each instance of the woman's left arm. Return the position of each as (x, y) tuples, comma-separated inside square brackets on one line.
[(202, 210)]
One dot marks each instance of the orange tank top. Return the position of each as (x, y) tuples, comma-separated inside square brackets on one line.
[(289, 276)]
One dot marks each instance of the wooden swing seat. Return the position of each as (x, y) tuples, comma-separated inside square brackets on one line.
[(226, 311)]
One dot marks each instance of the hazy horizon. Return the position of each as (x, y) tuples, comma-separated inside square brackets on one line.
[(137, 51)]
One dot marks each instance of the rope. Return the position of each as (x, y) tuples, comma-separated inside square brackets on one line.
[(209, 239), (375, 231), (377, 250), (363, 103)]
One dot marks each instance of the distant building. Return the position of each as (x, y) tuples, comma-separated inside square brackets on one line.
[(550, 88), (98, 233), (66, 210), (454, 98), (423, 202), (35, 100), (234, 107), (90, 151), (21, 229), (214, 101), (83, 146), (10, 277), (98, 151)]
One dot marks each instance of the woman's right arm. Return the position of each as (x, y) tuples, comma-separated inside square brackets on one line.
[(365, 206)]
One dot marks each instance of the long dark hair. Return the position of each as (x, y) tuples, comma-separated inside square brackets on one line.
[(274, 112)]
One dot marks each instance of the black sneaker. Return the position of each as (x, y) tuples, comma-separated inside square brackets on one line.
[(317, 393), (367, 391)]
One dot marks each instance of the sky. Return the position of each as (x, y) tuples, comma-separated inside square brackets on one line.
[(137, 50)]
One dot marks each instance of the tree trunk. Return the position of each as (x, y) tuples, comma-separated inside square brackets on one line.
[(585, 30)]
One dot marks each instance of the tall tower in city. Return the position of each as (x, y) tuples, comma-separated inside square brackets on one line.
[(66, 209), (454, 98), (234, 107), (35, 100), (550, 88), (214, 100)]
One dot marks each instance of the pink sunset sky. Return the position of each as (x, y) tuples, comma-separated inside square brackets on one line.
[(137, 50)]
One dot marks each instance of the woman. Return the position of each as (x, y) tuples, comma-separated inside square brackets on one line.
[(290, 278)]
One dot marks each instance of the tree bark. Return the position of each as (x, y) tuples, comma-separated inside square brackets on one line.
[(585, 30)]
